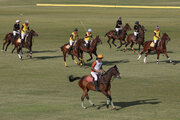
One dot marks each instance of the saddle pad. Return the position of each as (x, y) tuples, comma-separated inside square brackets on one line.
[(67, 46), (19, 40), (152, 44), (89, 78)]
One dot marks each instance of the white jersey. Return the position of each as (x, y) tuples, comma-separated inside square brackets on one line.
[(97, 65)]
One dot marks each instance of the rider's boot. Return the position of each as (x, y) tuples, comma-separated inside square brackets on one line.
[(96, 85), (155, 47), (70, 48)]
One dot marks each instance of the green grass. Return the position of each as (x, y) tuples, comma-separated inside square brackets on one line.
[(38, 88)]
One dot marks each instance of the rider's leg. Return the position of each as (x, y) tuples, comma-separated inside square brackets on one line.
[(155, 45), (87, 47), (95, 80), (71, 46)]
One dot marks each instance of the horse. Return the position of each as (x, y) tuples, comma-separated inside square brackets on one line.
[(131, 39), (121, 37), (27, 44), (73, 52), (161, 48), (92, 49), (8, 40), (86, 84)]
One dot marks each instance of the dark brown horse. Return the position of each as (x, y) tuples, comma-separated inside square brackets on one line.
[(111, 35), (161, 48), (27, 44), (74, 52), (92, 49), (131, 39), (104, 85)]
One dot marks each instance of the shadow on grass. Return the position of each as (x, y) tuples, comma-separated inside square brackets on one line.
[(122, 105), (108, 63), (46, 57), (45, 51)]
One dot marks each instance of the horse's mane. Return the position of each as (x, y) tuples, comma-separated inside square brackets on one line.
[(108, 71)]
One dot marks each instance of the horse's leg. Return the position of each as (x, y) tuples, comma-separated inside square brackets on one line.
[(109, 41), (9, 42), (143, 51), (146, 55), (90, 54), (167, 56), (74, 59), (139, 47), (132, 47), (109, 94), (64, 54), (4, 45), (87, 97), (113, 42), (108, 98), (13, 49), (120, 44)]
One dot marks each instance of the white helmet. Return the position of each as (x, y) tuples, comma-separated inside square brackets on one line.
[(26, 21), (17, 21), (89, 30)]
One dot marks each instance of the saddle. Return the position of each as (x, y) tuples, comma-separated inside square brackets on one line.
[(152, 44), (68, 46), (89, 78), (19, 39)]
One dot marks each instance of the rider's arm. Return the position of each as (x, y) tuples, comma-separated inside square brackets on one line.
[(102, 69), (71, 36), (22, 27)]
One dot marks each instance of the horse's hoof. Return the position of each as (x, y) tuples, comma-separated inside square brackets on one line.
[(114, 108), (2, 50), (173, 63), (85, 107), (93, 105)]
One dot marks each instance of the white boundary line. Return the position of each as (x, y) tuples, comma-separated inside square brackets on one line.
[(107, 6)]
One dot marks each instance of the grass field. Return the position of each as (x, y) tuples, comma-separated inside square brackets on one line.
[(38, 88)]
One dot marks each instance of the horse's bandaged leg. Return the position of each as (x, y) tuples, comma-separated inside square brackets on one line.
[(91, 102), (144, 59), (82, 104), (170, 60)]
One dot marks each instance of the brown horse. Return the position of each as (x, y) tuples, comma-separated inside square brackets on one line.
[(27, 44), (121, 37), (73, 52), (104, 85), (131, 39), (161, 48), (92, 49), (8, 40)]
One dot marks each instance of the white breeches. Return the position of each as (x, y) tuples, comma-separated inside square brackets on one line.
[(71, 42), (155, 41), (23, 35), (136, 33), (86, 41), (94, 74), (117, 29), (15, 33)]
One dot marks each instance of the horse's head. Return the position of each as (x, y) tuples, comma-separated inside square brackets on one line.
[(165, 37), (116, 72), (127, 27), (98, 40), (33, 33), (143, 29)]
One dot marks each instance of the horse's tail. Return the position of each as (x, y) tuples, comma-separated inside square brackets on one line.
[(62, 48), (71, 78), (105, 34)]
